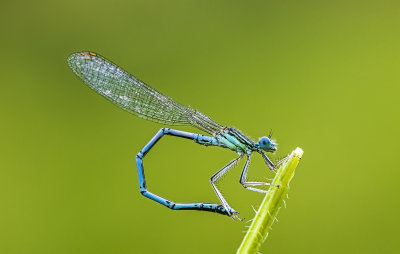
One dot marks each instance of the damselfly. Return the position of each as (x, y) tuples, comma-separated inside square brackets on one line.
[(138, 98)]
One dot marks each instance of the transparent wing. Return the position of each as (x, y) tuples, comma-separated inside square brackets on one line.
[(135, 96)]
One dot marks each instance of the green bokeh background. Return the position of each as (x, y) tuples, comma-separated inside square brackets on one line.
[(324, 75)]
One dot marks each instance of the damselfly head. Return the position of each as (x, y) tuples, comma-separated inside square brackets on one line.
[(267, 144)]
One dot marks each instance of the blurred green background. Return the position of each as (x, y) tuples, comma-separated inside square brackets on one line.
[(324, 75)]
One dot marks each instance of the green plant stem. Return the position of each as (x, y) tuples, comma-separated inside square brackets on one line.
[(270, 206)]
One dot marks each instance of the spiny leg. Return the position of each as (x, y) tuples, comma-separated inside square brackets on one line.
[(214, 178), (281, 161), (204, 140), (269, 163), (243, 178)]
